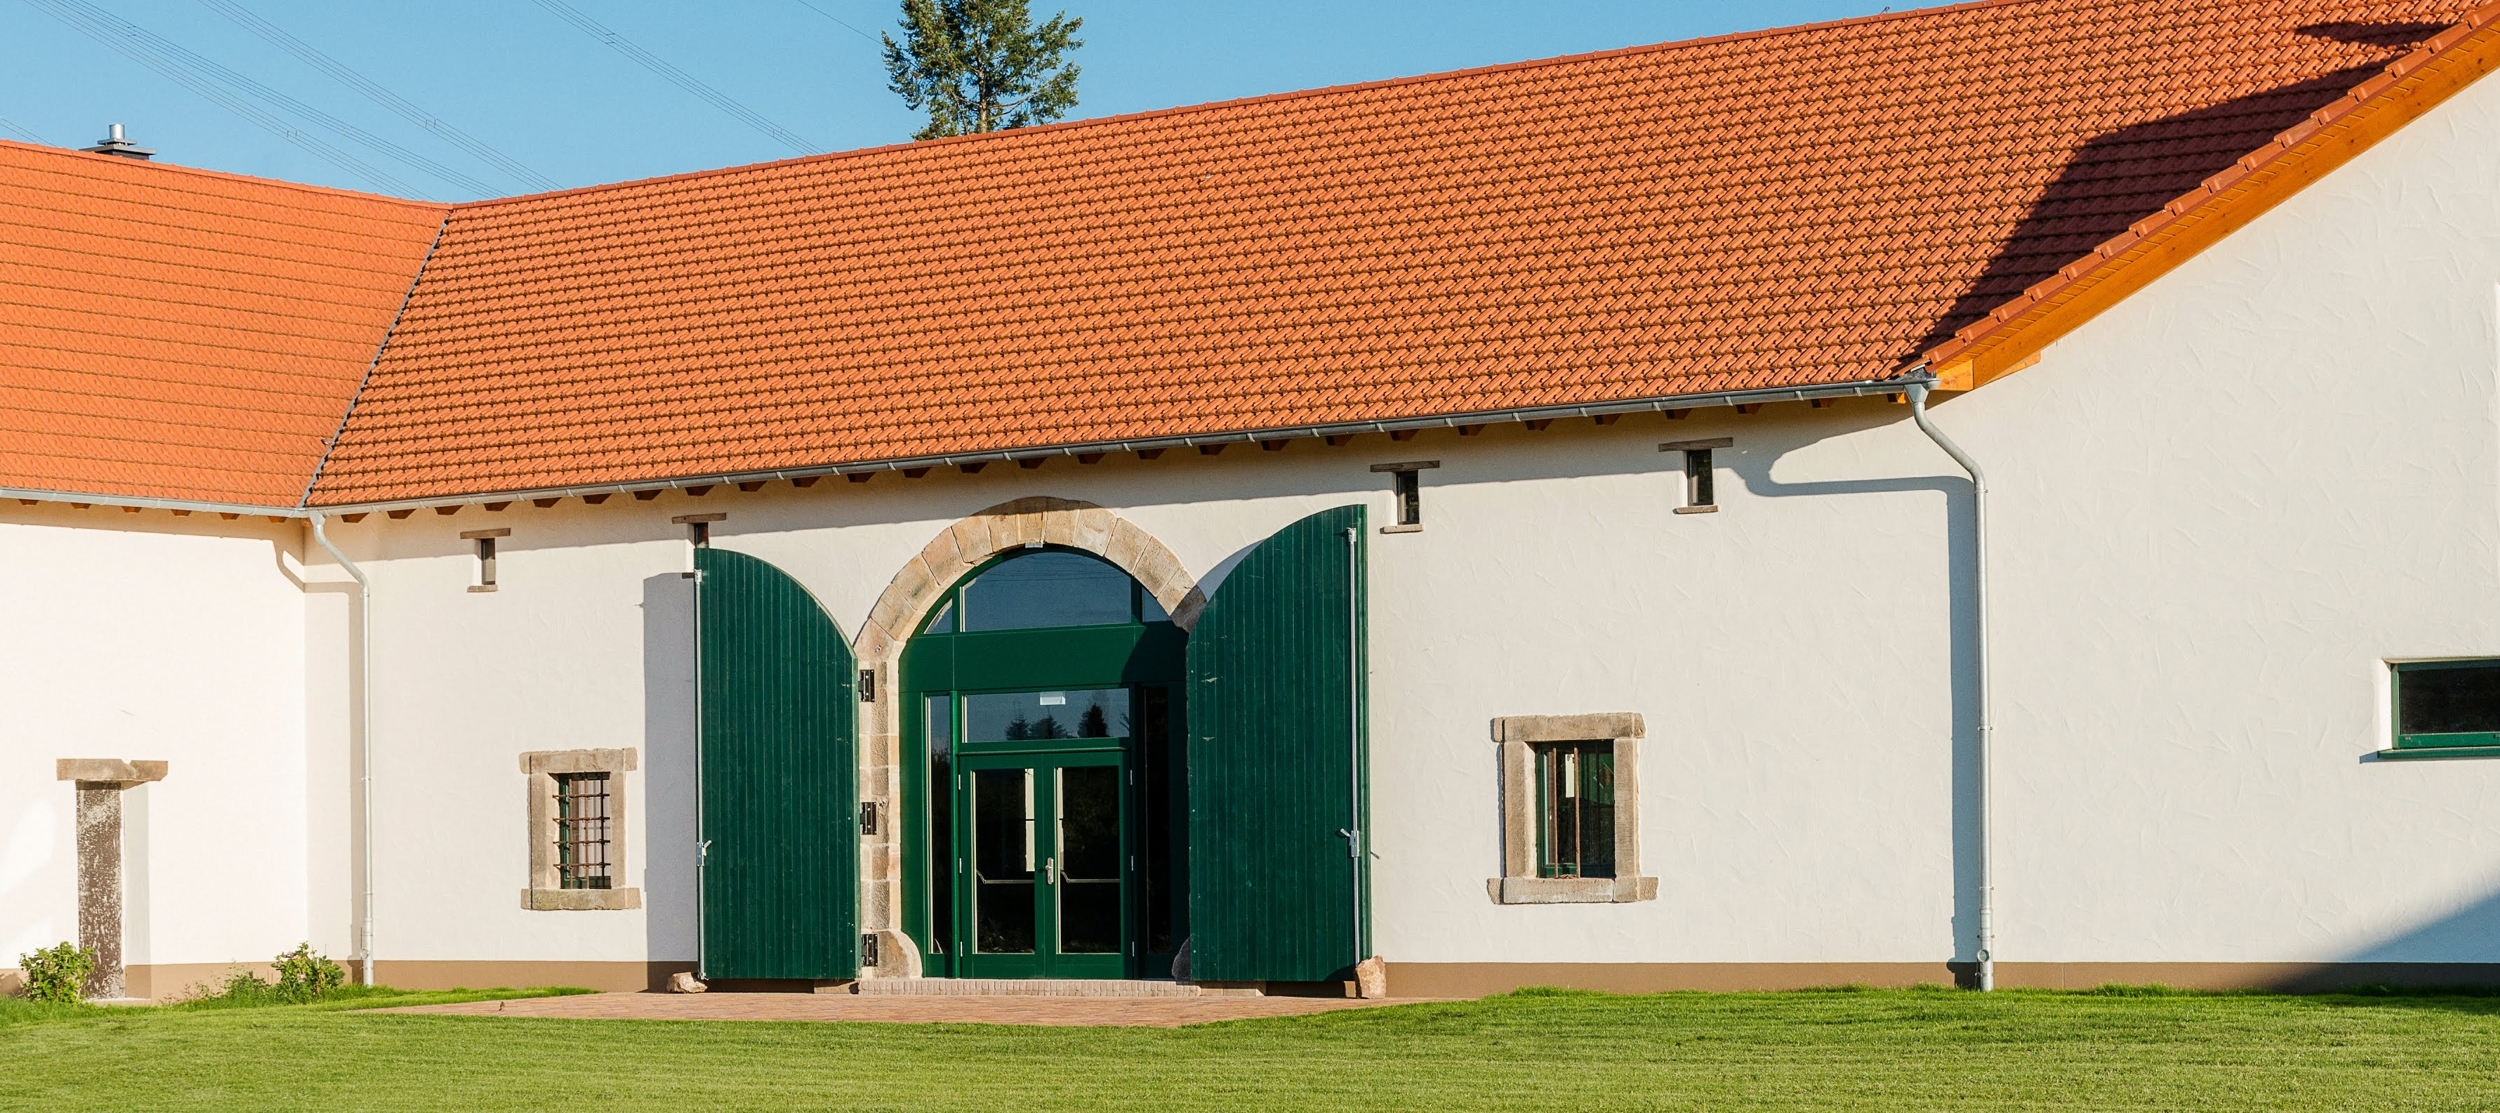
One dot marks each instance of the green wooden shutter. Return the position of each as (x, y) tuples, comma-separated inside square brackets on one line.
[(1276, 710), (780, 876)]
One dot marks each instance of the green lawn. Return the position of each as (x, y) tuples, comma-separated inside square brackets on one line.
[(1918, 1049)]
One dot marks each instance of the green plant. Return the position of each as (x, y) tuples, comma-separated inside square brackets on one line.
[(305, 974), (58, 974)]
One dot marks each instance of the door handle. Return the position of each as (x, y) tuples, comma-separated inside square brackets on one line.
[(1050, 871)]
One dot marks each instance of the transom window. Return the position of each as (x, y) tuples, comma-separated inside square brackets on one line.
[(1042, 716), (2447, 704), (1043, 589), (582, 830), (1575, 792)]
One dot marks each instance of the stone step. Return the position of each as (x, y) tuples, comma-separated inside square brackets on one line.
[(1019, 987)]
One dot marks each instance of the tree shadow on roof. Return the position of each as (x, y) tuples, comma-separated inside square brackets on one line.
[(2374, 34), (2123, 176)]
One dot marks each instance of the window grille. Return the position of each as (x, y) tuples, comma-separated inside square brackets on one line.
[(1575, 809), (582, 818)]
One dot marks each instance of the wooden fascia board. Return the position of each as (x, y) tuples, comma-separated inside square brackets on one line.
[(2408, 89)]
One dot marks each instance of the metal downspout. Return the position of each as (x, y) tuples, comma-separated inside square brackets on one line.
[(1986, 952), (364, 744)]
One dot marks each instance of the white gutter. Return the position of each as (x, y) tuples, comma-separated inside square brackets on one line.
[(1985, 953), (1864, 388), (364, 744)]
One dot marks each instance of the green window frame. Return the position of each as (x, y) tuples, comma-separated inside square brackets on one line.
[(2446, 708), (1575, 808)]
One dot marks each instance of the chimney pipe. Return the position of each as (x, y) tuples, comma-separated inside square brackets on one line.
[(114, 144)]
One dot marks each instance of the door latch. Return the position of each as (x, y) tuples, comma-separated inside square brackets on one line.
[(1353, 842)]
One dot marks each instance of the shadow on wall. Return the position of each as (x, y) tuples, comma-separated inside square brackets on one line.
[(2123, 176), (669, 774), (1954, 551), (2466, 936)]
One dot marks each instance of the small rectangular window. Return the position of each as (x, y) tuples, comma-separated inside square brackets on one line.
[(1575, 796), (582, 830), (485, 541), (2446, 704), (699, 527), (1701, 493), (1406, 490)]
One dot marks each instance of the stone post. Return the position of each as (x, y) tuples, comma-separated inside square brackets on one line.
[(100, 783)]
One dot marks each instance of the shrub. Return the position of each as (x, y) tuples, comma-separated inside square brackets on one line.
[(305, 974), (58, 974)]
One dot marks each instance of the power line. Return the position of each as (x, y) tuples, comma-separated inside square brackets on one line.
[(836, 19), (204, 76), (675, 76), (22, 133), (126, 40), (407, 110), (283, 102)]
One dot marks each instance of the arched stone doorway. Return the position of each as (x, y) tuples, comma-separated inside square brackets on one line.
[(946, 563)]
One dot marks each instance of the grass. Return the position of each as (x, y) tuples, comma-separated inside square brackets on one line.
[(1854, 1050)]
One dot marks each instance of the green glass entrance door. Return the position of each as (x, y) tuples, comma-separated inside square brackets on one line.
[(1043, 873)]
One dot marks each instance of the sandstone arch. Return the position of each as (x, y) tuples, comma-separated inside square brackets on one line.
[(949, 557)]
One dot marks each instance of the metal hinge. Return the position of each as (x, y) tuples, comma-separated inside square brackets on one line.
[(867, 685)]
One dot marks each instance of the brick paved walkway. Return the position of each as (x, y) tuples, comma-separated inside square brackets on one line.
[(1140, 1012)]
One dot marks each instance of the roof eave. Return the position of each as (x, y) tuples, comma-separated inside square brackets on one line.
[(1806, 393)]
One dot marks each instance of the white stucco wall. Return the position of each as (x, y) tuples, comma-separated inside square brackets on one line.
[(156, 638), (2220, 509)]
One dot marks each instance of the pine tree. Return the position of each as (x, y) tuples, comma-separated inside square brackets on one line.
[(981, 65)]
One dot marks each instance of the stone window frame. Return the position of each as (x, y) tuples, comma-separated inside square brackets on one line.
[(1519, 883), (547, 892)]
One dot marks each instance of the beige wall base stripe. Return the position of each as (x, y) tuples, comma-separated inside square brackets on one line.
[(1476, 979), (170, 981)]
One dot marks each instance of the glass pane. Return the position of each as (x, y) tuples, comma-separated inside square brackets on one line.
[(1002, 861), (1149, 608), (2452, 699), (1089, 860), (582, 830), (944, 623), (1575, 803), (939, 711), (1164, 791), (1040, 716), (1596, 822), (1046, 589)]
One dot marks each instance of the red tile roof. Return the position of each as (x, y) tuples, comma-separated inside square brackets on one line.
[(1810, 206), (179, 334)]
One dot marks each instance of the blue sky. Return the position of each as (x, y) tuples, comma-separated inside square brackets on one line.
[(576, 112)]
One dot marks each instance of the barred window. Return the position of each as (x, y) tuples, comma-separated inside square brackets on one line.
[(582, 818)]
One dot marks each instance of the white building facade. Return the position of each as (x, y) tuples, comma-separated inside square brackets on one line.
[(2225, 515)]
